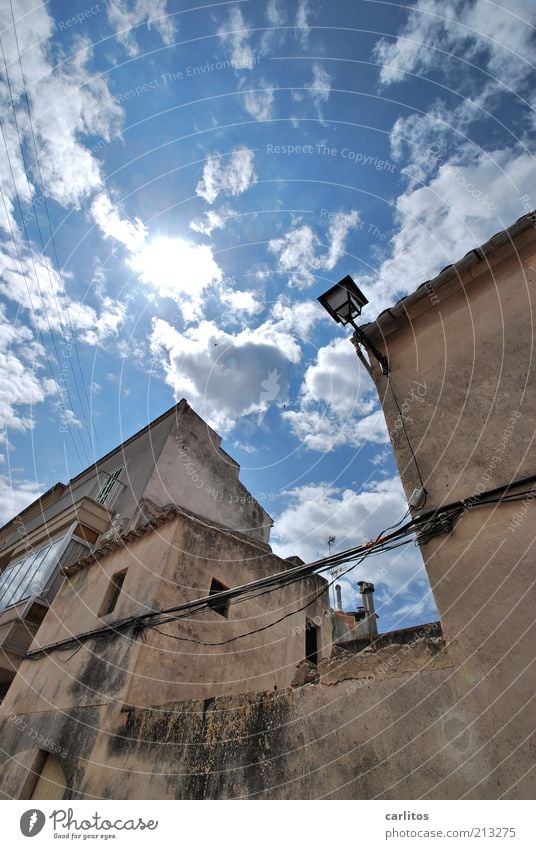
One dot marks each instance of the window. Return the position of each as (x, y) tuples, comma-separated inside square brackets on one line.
[(30, 575), (109, 485), (311, 642), (112, 593), (220, 605)]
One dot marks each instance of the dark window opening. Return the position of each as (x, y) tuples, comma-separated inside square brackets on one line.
[(5, 684), (220, 605), (311, 642), (112, 593)]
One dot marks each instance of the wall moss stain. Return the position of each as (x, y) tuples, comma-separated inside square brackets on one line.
[(106, 668), (208, 739)]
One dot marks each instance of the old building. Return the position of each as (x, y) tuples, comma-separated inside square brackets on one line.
[(133, 688), (176, 459), (161, 521)]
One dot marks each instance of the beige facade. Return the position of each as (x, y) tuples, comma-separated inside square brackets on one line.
[(176, 459), (462, 369)]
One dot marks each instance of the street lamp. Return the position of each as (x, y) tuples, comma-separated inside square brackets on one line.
[(344, 303)]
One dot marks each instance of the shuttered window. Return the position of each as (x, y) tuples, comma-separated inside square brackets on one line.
[(109, 485)]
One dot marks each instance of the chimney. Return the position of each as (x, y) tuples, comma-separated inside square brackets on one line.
[(338, 593), (367, 594)]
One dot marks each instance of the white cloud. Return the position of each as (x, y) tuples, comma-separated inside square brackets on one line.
[(228, 175), (465, 203), (496, 37), (130, 233), (317, 511), (126, 21), (242, 301), (177, 269), (222, 374), (275, 14), (337, 402), (15, 496), (296, 251), (68, 417), (323, 432), (421, 141), (337, 379), (302, 24), (212, 220), (21, 387), (31, 280), (320, 88), (259, 103), (235, 34), (67, 103), (111, 316)]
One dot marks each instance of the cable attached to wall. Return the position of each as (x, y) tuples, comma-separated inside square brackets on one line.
[(408, 440)]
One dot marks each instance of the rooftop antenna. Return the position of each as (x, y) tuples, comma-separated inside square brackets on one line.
[(331, 540)]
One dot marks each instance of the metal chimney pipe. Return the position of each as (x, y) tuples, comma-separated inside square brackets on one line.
[(338, 593), (367, 594)]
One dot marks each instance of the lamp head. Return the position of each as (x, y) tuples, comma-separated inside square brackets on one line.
[(344, 301)]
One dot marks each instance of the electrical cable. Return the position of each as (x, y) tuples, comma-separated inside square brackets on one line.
[(392, 541), (23, 222), (395, 399), (52, 240)]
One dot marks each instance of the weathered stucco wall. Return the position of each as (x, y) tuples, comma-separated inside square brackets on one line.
[(169, 564), (195, 472), (381, 725), (462, 368)]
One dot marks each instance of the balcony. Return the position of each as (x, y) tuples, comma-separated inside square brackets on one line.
[(32, 572)]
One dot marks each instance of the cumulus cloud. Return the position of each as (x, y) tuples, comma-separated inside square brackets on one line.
[(126, 18), (31, 280), (228, 175), (106, 215), (242, 301), (461, 207), (16, 495), (318, 511), (67, 102), (296, 251), (21, 385), (221, 373), (469, 31), (235, 35), (338, 402)]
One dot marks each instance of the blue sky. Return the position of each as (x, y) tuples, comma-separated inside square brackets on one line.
[(182, 183)]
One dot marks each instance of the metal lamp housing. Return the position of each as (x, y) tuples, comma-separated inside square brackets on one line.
[(344, 301)]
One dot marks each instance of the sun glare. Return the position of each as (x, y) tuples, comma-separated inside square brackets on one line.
[(174, 266)]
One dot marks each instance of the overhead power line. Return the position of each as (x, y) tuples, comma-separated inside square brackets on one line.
[(52, 240), (435, 521), (58, 382)]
